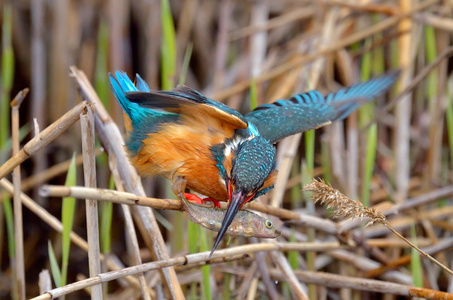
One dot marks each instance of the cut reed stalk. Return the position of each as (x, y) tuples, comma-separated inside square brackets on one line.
[(18, 220)]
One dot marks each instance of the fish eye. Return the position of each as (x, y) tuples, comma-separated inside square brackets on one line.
[(268, 224)]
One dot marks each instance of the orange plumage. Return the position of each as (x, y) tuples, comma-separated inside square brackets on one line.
[(183, 149)]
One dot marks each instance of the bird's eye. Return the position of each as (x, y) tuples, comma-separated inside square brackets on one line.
[(268, 224)]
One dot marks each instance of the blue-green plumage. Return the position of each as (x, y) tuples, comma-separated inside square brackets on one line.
[(240, 148), (143, 120)]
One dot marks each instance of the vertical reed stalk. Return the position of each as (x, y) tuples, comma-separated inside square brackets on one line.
[(18, 221), (89, 171)]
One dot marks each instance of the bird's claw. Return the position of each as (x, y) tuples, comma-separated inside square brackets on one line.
[(178, 187), (204, 201)]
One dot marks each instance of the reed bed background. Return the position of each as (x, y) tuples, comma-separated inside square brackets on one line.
[(394, 155)]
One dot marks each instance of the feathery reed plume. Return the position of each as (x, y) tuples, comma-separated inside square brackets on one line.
[(347, 208), (344, 208)]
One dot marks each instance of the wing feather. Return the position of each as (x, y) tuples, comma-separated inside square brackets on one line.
[(311, 110), (187, 101)]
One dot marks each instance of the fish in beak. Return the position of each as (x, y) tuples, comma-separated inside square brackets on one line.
[(237, 200)]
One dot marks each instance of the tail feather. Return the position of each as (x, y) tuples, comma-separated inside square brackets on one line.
[(120, 86)]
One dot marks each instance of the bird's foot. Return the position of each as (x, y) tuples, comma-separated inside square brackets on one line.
[(178, 186), (198, 200)]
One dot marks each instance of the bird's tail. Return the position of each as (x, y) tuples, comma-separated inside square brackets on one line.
[(348, 99), (120, 86)]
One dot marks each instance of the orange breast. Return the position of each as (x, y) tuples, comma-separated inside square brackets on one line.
[(182, 150)]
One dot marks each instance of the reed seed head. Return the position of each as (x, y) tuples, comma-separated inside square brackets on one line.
[(344, 207)]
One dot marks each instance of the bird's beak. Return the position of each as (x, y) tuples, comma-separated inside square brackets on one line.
[(236, 201)]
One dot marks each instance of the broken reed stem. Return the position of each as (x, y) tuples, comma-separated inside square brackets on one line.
[(44, 138), (18, 220), (89, 172), (186, 260), (345, 207)]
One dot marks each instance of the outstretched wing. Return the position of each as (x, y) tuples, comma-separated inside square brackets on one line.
[(185, 100), (311, 110)]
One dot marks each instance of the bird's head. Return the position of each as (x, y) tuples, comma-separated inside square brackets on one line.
[(247, 166)]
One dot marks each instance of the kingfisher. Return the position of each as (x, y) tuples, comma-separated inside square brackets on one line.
[(222, 154)]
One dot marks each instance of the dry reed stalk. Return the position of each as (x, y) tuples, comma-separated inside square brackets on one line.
[(240, 257), (131, 235), (43, 138), (299, 290), (288, 147), (257, 53), (281, 20), (221, 47), (134, 249), (247, 280), (404, 222), (401, 138), (252, 289), (442, 23), (55, 224), (363, 263), (404, 260), (89, 172), (38, 75), (171, 204), (18, 220), (367, 7), (301, 60), (186, 260), (185, 21), (386, 243), (413, 84), (337, 281), (353, 209), (112, 140), (45, 282), (264, 273)]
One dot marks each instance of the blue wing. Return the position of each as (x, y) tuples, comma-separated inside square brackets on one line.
[(183, 99), (311, 110)]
